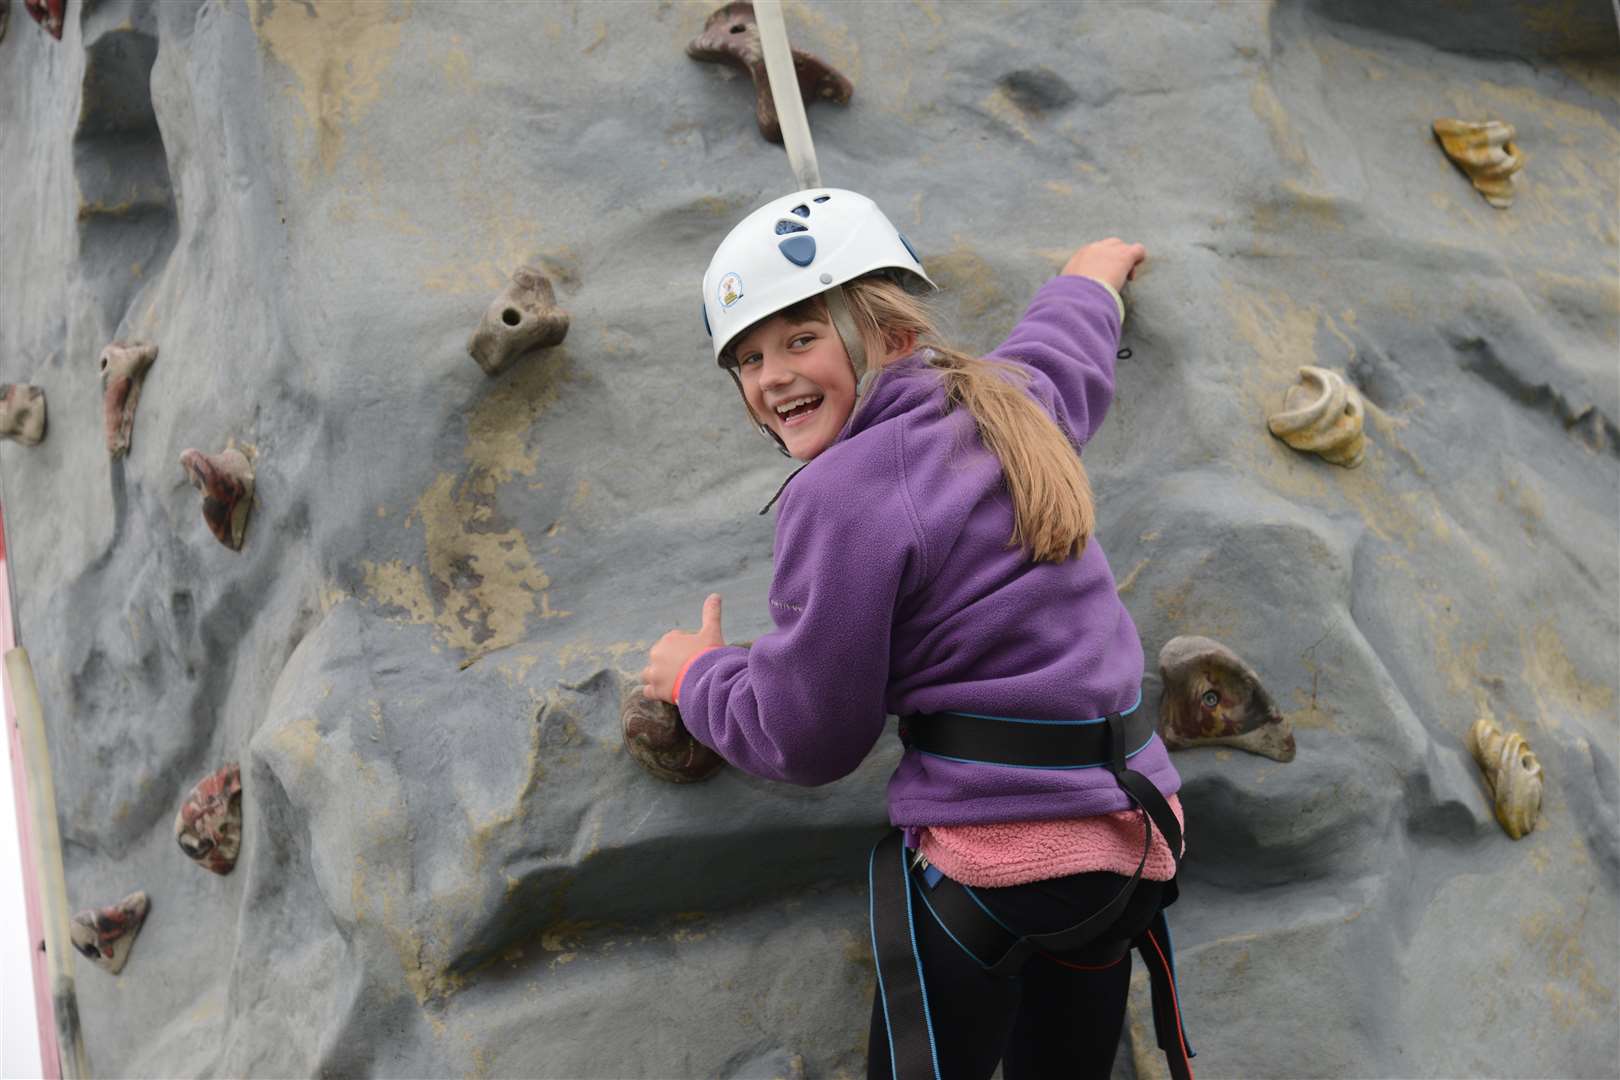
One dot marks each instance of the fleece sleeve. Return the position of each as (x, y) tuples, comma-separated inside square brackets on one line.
[(1070, 335), (806, 702)]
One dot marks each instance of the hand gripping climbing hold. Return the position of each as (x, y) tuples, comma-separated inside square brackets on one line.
[(22, 413), (1212, 698), (104, 936), (226, 482), (209, 824), (657, 739), (123, 368), (48, 13), (1513, 773), (731, 36), (525, 316), (1322, 414), (1487, 153)]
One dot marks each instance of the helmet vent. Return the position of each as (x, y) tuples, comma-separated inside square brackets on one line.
[(821, 198), (799, 250), (785, 226), (802, 210)]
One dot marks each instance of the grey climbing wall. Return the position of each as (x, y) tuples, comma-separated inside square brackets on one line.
[(449, 866)]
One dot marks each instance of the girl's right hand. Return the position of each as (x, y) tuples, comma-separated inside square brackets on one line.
[(1111, 260)]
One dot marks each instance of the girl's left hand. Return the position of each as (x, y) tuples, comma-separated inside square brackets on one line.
[(675, 648)]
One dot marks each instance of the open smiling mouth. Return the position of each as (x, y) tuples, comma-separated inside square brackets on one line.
[(798, 411)]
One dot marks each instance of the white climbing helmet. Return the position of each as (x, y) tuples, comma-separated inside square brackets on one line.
[(796, 247)]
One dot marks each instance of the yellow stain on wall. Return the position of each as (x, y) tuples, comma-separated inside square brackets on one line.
[(1263, 100), (1558, 687), (338, 54), (481, 584), (965, 273)]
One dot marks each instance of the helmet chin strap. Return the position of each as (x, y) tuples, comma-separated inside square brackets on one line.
[(843, 321), (759, 425)]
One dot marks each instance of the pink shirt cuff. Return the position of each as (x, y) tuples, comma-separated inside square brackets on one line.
[(680, 676)]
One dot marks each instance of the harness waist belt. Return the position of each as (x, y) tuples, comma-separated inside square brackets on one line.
[(1034, 744)]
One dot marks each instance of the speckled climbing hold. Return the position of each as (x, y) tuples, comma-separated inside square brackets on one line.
[(22, 413), (1486, 152), (123, 369), (525, 316), (209, 824), (226, 482), (1512, 773), (1212, 698), (104, 936), (1323, 414), (657, 739), (49, 14), (731, 36)]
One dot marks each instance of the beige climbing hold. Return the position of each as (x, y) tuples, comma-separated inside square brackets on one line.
[(226, 482), (1212, 698), (104, 936), (1322, 414), (22, 413), (1513, 773), (1486, 152), (523, 317), (123, 369)]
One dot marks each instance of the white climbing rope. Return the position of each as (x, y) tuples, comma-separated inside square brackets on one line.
[(801, 151), (784, 80)]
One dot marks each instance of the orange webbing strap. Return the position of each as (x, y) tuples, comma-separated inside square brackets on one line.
[(1171, 1035)]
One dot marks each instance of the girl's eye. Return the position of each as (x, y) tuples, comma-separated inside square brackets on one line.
[(802, 340), (751, 358)]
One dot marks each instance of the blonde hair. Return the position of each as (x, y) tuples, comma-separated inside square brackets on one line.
[(1053, 511)]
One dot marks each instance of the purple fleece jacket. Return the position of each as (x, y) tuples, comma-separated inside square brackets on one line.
[(895, 592)]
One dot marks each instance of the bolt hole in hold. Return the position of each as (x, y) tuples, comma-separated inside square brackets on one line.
[(1211, 699), (739, 28), (511, 317)]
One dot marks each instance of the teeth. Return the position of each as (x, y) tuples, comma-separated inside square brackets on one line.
[(788, 406)]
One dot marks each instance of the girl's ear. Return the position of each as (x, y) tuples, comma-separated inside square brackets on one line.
[(899, 343)]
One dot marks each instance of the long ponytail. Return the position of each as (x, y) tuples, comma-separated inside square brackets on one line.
[(1053, 510)]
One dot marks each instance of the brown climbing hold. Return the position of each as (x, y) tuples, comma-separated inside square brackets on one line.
[(1486, 152), (5, 17), (226, 482), (49, 14), (209, 824), (22, 413), (1513, 773), (731, 36), (123, 368), (655, 736), (1212, 698), (525, 316), (104, 936), (1323, 414)]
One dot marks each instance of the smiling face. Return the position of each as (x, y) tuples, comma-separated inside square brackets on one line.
[(797, 379)]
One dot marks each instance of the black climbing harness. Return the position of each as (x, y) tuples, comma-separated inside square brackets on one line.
[(894, 881)]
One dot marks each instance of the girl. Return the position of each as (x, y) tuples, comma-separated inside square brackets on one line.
[(934, 559)]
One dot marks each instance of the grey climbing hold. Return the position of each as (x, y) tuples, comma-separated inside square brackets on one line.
[(523, 317)]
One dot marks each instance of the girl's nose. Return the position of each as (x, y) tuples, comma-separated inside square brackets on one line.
[(774, 371)]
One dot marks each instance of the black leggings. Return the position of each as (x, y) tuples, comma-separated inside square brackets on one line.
[(1051, 1019)]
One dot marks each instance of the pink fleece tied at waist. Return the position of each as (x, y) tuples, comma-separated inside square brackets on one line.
[(1018, 852)]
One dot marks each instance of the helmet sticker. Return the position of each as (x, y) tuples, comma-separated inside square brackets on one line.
[(731, 290)]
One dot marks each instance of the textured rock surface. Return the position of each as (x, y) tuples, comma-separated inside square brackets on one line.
[(449, 866)]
